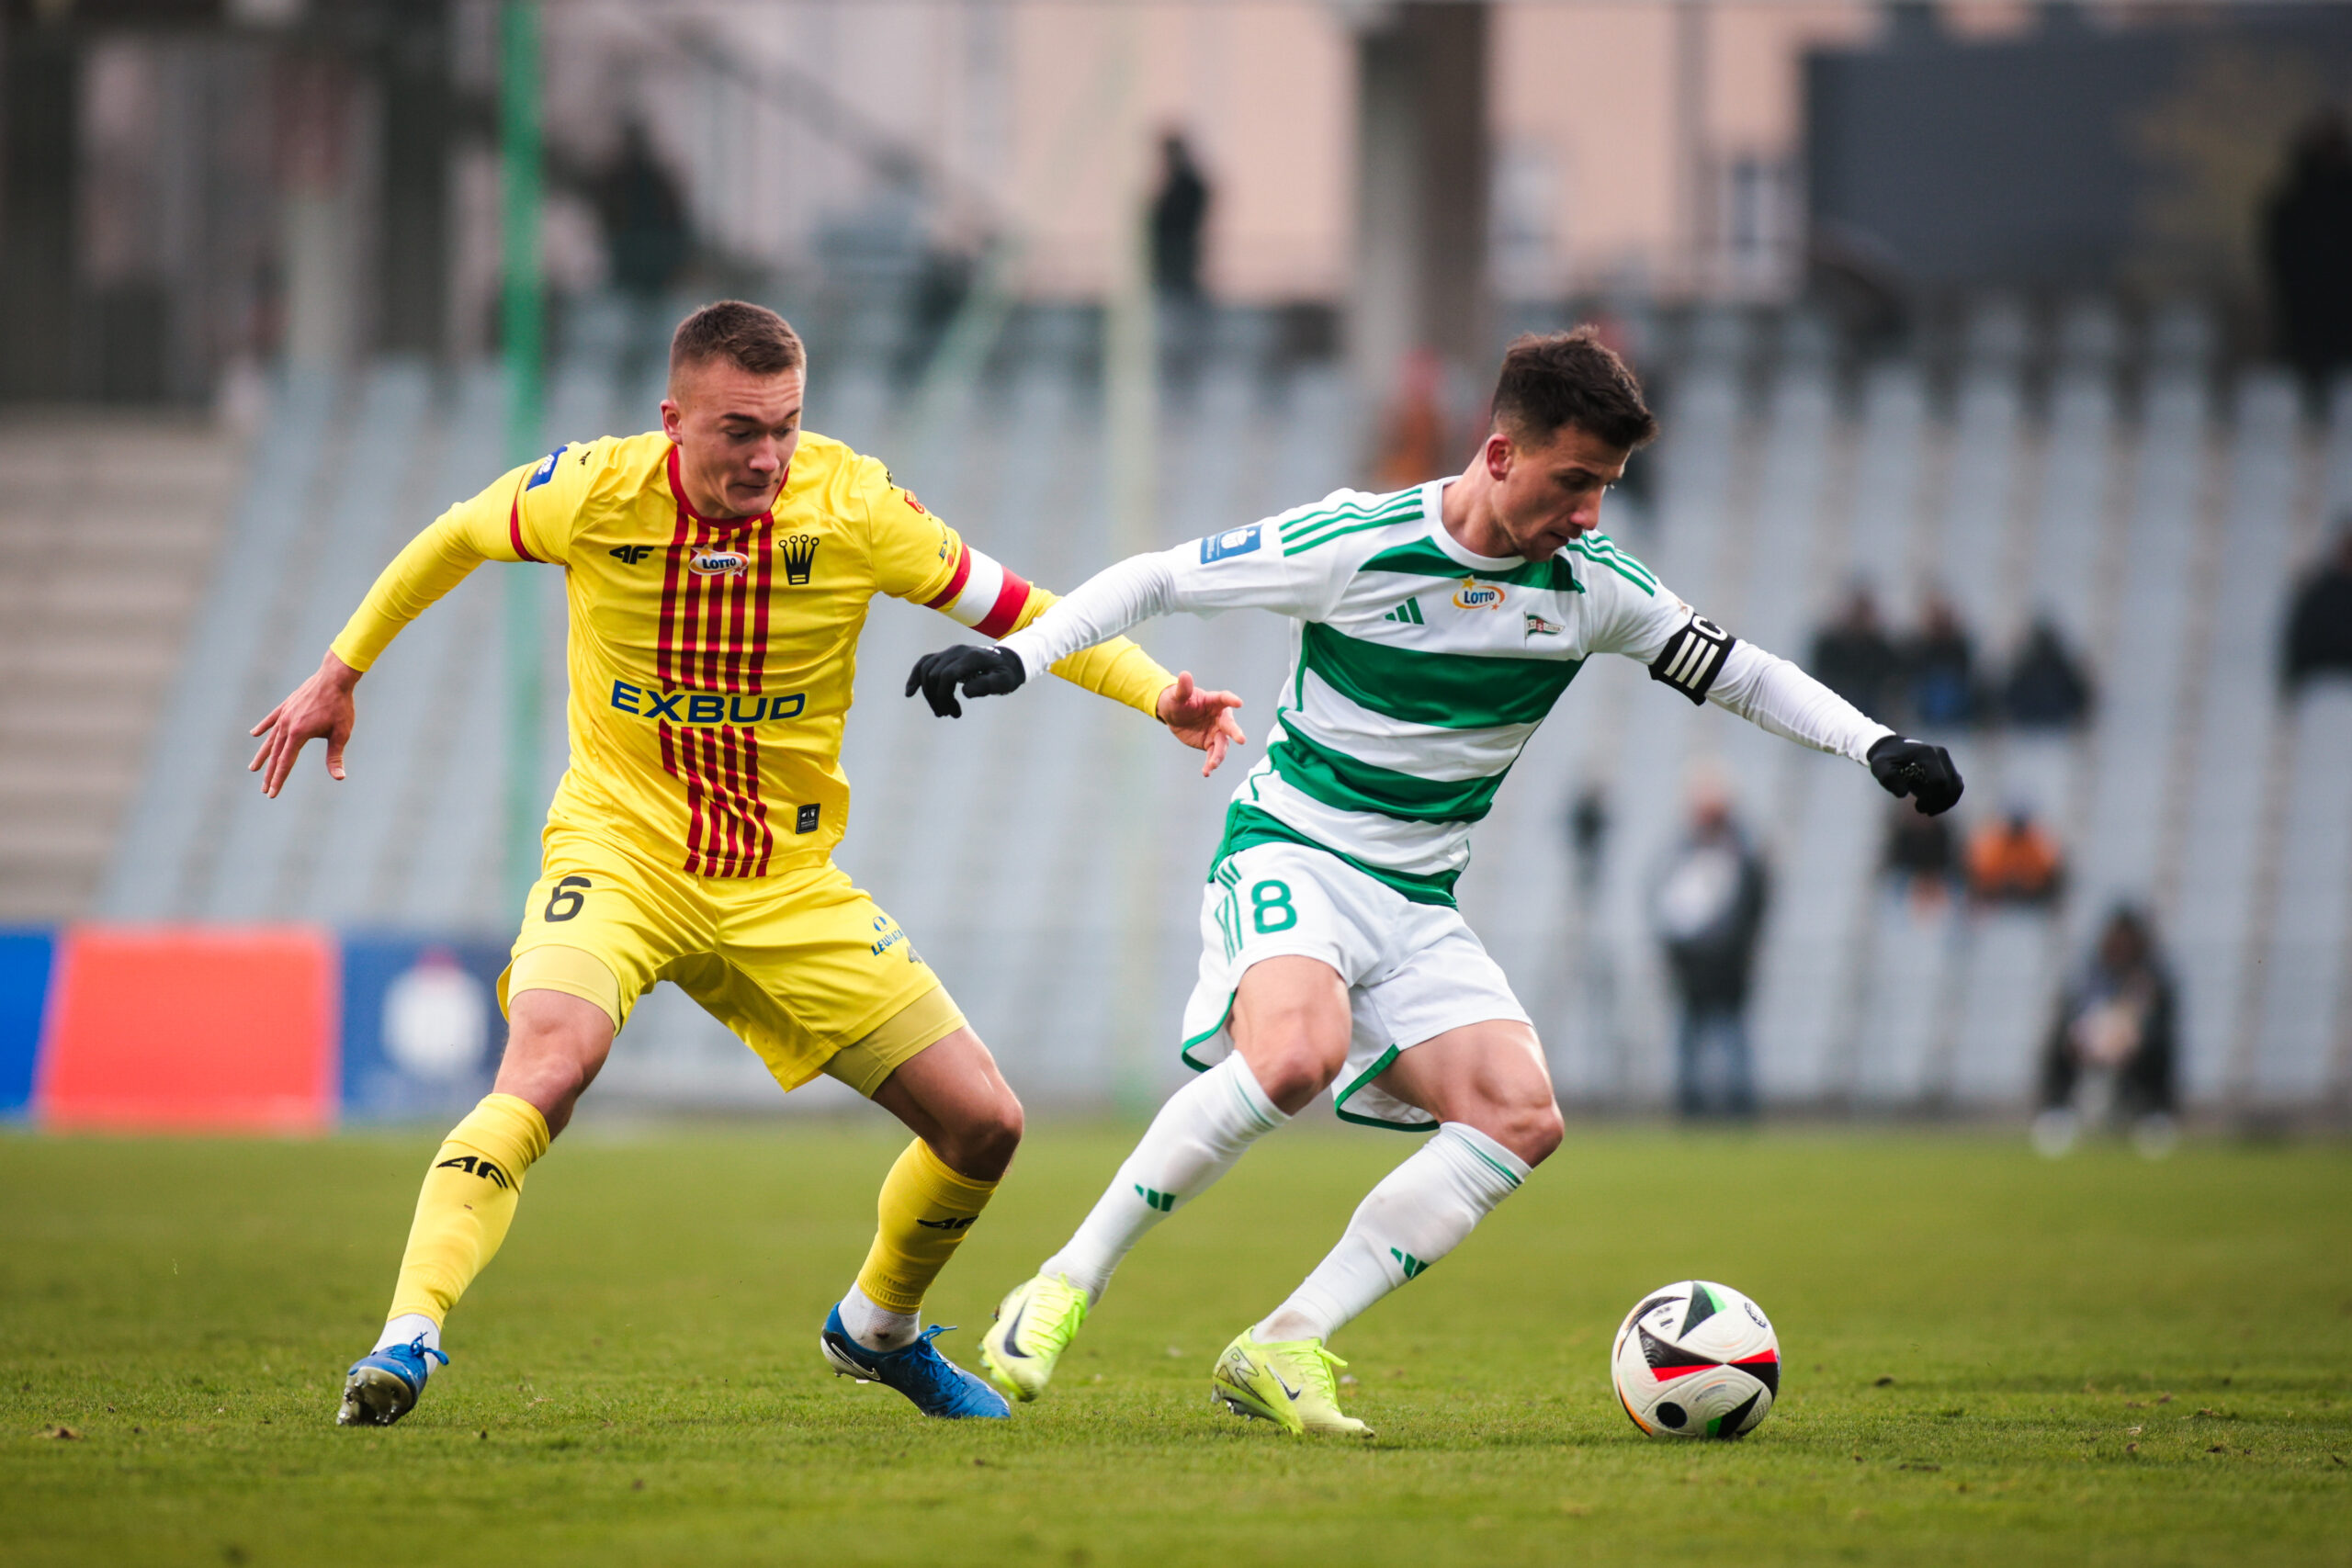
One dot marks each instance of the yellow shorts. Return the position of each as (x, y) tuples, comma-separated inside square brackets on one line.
[(804, 968)]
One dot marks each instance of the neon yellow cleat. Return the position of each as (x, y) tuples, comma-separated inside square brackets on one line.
[(1033, 1326), (1293, 1383)]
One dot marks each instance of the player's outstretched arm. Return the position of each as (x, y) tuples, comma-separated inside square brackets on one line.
[(1201, 719), (1707, 664), (320, 708), (1061, 634), (490, 527)]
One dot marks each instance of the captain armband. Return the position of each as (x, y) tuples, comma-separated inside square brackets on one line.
[(1693, 657)]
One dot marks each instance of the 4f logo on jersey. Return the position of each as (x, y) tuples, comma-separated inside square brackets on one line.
[(800, 552), (474, 1164), (1475, 595), (629, 555), (716, 563), (1232, 542)]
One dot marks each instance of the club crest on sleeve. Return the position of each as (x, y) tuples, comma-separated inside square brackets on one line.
[(716, 563), (800, 552), (908, 497), (1232, 542), (1475, 595)]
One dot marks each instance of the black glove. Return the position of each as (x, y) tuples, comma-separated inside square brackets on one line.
[(979, 671), (1919, 770)]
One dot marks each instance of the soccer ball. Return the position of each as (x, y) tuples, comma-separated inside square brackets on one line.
[(1696, 1360)]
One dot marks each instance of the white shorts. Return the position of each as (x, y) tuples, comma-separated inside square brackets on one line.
[(1413, 970)]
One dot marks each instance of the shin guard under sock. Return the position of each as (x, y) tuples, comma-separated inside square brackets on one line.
[(467, 1203)]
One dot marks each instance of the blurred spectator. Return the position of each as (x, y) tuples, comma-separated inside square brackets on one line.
[(643, 216), (1852, 657), (1919, 854), (1588, 835), (2112, 1047), (2046, 689), (1709, 909), (2307, 246), (2319, 626), (2014, 861), (1938, 667), (1412, 433), (1180, 210)]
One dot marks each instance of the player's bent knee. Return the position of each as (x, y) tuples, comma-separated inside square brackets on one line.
[(556, 1043), (1529, 1128), (1294, 1067), (980, 1143)]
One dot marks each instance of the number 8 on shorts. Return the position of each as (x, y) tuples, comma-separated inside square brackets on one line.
[(1269, 907)]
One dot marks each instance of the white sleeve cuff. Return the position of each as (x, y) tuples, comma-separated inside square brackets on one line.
[(1774, 695)]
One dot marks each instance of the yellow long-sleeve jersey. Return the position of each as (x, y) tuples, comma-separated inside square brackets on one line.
[(712, 661)]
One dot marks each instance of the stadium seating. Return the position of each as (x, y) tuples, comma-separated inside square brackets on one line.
[(1045, 852)]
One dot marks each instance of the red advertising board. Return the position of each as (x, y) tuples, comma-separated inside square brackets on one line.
[(191, 1028)]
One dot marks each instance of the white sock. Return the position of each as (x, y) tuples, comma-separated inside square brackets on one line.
[(1421, 1211), (403, 1330), (1197, 1135), (877, 1327)]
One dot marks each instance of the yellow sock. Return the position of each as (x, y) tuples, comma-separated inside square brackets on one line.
[(925, 1209), (468, 1202)]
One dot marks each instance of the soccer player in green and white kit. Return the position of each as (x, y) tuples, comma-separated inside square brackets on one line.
[(1434, 630)]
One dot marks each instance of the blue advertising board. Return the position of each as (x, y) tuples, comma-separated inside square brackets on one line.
[(421, 1027), (25, 957)]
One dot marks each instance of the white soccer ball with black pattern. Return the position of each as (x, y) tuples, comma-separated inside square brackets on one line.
[(1696, 1360)]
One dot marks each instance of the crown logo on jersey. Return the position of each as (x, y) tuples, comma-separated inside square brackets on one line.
[(799, 554)]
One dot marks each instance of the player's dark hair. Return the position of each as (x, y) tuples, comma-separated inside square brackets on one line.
[(1552, 379), (752, 337)]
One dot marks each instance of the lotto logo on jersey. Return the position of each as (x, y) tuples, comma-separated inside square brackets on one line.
[(716, 563), (1232, 542), (1475, 595)]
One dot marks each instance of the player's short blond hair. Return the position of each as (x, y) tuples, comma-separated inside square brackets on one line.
[(751, 337)]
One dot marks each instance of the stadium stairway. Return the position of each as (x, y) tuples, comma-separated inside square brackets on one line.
[(110, 524)]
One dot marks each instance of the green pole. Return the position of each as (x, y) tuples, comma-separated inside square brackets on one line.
[(520, 320)]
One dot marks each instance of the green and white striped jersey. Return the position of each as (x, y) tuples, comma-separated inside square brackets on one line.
[(1419, 669)]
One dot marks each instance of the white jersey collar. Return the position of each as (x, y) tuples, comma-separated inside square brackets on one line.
[(1434, 509)]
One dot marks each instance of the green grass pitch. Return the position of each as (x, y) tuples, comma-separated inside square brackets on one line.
[(1989, 1358)]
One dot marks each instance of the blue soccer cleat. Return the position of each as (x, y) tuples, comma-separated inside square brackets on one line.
[(937, 1386), (382, 1385)]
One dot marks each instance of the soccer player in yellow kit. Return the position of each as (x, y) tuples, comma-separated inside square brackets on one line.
[(718, 571)]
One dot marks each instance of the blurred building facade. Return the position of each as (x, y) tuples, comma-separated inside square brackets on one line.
[(191, 188)]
